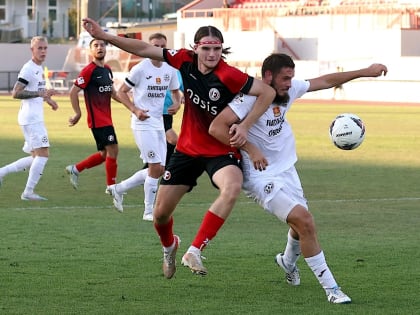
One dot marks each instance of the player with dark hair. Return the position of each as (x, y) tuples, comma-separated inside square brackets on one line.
[(209, 85), (96, 82), (270, 176), (31, 88)]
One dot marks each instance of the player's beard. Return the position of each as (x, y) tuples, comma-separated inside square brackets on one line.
[(281, 100)]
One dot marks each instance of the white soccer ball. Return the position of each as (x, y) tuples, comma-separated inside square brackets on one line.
[(347, 131)]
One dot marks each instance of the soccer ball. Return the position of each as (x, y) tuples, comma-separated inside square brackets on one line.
[(347, 131)]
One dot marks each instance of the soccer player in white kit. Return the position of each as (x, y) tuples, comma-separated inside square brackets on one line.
[(30, 87), (269, 158), (149, 80)]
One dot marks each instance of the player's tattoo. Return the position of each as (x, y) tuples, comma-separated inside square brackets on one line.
[(24, 94)]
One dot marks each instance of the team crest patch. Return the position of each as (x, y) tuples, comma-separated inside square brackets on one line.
[(80, 80), (151, 154), (172, 52), (268, 189), (158, 80), (276, 111), (167, 175), (214, 94)]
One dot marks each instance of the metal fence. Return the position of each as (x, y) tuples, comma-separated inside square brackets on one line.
[(7, 80)]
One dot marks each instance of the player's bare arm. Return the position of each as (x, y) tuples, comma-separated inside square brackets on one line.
[(338, 78), (134, 46), (20, 93), (52, 103), (115, 96), (127, 102), (265, 96), (74, 99), (219, 129), (176, 100), (122, 97)]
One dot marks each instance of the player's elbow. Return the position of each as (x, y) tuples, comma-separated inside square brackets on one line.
[(213, 129)]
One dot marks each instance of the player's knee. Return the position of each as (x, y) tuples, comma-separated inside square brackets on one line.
[(229, 195), (301, 221)]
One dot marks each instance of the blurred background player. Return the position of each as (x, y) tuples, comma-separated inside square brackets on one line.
[(150, 80), (276, 186), (30, 87), (96, 82)]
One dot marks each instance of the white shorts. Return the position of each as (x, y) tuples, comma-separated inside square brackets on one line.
[(152, 145), (36, 137), (277, 193)]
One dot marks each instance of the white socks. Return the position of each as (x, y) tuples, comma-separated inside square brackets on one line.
[(134, 181), (291, 252), (321, 270), (150, 189), (17, 166), (35, 173)]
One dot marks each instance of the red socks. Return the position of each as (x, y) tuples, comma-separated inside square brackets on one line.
[(97, 159), (111, 170), (166, 233), (91, 161), (210, 225)]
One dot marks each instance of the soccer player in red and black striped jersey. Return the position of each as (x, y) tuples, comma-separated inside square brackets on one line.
[(96, 81), (209, 85)]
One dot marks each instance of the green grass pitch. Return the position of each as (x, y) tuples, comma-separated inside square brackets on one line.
[(74, 254)]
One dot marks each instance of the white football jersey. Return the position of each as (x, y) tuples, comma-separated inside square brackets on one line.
[(272, 133), (32, 109), (149, 85)]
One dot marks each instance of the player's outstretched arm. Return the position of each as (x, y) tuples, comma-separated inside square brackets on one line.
[(338, 78), (134, 46)]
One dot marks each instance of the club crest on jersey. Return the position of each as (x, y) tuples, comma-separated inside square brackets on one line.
[(214, 94), (167, 175), (158, 80), (151, 154), (276, 111), (268, 189), (80, 80), (172, 52)]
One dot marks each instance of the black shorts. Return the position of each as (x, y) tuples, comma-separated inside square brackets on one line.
[(104, 136), (167, 121), (184, 169)]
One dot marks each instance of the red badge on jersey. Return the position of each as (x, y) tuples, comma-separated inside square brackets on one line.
[(276, 111), (158, 80)]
